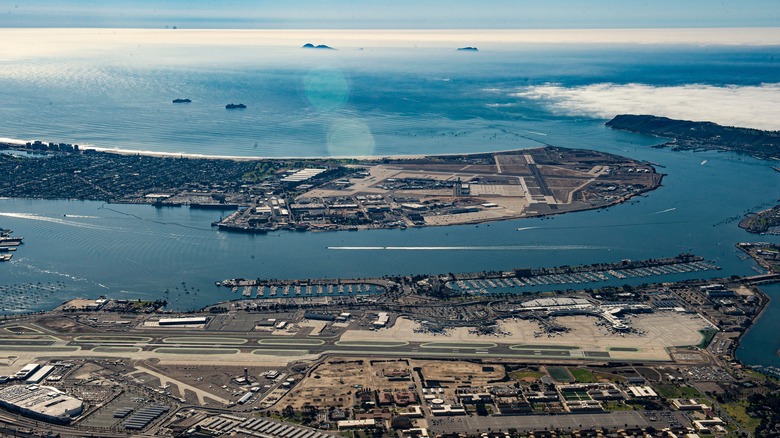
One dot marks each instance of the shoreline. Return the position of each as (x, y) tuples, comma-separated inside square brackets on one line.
[(481, 215), (19, 145)]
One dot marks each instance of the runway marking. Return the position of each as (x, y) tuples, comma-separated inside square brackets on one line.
[(185, 350), (453, 345), (278, 352), (46, 348), (117, 349), (203, 340), (542, 347), (113, 339), (380, 344), (291, 342)]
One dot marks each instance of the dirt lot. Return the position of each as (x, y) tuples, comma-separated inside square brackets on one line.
[(335, 382), (460, 373)]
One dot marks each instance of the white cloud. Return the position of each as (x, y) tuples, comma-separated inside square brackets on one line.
[(746, 106)]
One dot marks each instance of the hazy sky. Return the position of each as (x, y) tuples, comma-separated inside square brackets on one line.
[(391, 14)]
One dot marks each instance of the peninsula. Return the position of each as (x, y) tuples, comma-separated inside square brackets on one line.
[(688, 135), (336, 194)]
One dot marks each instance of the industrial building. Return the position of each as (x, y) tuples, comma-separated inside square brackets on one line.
[(39, 375), (642, 391), (381, 320), (41, 402), (26, 372), (193, 320)]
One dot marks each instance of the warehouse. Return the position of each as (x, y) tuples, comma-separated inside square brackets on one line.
[(194, 320), (42, 402)]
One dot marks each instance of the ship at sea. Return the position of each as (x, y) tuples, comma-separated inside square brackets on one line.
[(181, 101), (235, 106)]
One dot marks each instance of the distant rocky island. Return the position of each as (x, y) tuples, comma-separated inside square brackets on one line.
[(319, 46), (235, 106), (468, 49), (181, 101), (688, 135)]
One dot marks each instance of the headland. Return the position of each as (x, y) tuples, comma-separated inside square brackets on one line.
[(688, 135)]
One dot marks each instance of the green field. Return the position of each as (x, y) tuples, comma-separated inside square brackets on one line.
[(582, 376), (707, 334), (560, 374), (526, 374), (673, 391), (617, 406), (614, 378), (738, 411), (575, 394)]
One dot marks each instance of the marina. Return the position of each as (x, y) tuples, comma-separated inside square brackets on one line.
[(578, 278), (513, 281), (306, 288), (508, 282), (8, 245)]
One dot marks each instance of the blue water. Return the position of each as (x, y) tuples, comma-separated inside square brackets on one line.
[(373, 102), (411, 101), (761, 345)]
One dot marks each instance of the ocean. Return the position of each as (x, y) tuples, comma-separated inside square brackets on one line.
[(401, 95)]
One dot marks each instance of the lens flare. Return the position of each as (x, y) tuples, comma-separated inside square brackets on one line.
[(326, 89), (350, 138)]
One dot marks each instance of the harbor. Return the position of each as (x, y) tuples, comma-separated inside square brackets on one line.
[(513, 281), (506, 284), (8, 244), (275, 288)]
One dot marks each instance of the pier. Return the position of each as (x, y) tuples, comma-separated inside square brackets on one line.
[(8, 244)]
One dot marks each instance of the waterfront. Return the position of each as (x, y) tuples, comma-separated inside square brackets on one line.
[(141, 251), (431, 100)]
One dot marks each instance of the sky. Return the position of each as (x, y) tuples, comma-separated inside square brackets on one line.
[(389, 14)]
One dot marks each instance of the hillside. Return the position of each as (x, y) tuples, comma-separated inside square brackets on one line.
[(688, 135)]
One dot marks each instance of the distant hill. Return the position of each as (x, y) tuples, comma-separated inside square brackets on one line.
[(320, 46), (468, 49), (688, 135)]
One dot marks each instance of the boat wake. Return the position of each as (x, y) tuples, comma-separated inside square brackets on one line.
[(665, 211), (37, 217)]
